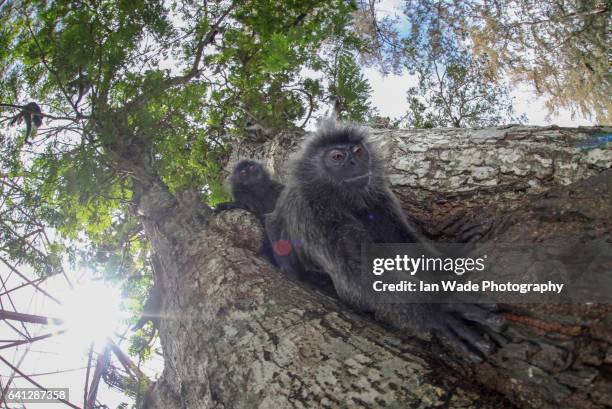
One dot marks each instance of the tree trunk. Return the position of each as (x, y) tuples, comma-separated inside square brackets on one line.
[(237, 334)]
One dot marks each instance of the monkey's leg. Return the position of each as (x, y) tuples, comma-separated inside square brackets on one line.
[(482, 314), (339, 254), (449, 321), (280, 247)]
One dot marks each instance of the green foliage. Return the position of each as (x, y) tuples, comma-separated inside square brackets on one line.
[(350, 90), (560, 47), (456, 90), (454, 87), (418, 115), (170, 86), (130, 52)]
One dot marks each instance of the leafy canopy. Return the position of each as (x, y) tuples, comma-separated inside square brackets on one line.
[(561, 47), (169, 84), (455, 89)]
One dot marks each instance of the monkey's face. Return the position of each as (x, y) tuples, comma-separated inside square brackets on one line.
[(248, 173), (348, 165)]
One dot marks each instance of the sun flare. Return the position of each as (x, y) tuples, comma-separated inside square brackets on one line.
[(92, 311)]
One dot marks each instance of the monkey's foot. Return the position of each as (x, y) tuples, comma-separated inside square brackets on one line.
[(456, 322)]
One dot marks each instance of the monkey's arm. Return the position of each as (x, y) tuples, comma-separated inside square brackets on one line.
[(454, 322), (387, 223), (229, 206)]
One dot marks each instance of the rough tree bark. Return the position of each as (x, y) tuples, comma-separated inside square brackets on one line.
[(236, 334)]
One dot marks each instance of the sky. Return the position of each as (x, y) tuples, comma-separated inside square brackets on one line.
[(389, 92), (389, 97)]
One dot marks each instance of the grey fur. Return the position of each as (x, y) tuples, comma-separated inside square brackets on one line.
[(321, 219)]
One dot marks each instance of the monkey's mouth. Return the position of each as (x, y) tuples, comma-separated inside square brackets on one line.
[(359, 179)]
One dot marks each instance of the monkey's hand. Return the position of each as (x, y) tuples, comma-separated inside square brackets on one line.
[(475, 230), (228, 206), (464, 327)]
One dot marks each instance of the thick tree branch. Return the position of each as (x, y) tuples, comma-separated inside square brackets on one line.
[(516, 184)]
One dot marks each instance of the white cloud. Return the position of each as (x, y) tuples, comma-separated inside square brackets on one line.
[(389, 91), (533, 106)]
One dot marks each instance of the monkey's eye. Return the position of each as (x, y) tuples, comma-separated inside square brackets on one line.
[(336, 155), (358, 150), (243, 173), (252, 168)]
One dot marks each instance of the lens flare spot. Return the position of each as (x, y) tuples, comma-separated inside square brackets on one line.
[(282, 247)]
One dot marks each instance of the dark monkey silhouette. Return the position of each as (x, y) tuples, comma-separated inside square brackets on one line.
[(335, 200), (253, 189), (30, 114)]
